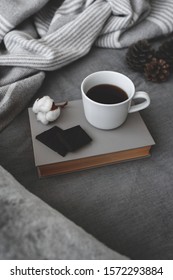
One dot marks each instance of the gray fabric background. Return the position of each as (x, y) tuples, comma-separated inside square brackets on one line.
[(30, 229), (128, 206)]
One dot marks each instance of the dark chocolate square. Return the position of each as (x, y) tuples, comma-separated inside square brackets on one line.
[(53, 138), (64, 141), (75, 138)]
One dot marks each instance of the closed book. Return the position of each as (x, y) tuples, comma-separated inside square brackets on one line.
[(130, 141)]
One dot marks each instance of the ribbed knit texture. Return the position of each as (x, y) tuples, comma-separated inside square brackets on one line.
[(46, 35)]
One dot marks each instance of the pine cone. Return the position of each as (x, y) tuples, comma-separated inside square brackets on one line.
[(138, 55), (165, 52), (157, 70)]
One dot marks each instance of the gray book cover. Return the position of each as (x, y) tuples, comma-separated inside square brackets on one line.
[(131, 135)]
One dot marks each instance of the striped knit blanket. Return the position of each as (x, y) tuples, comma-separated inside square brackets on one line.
[(44, 35)]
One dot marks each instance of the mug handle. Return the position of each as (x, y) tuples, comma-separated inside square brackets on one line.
[(141, 106)]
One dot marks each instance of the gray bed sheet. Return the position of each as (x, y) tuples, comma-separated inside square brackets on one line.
[(127, 206)]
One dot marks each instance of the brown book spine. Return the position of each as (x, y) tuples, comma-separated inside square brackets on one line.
[(92, 162)]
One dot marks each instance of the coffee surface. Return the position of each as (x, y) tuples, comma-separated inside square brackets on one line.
[(107, 94)]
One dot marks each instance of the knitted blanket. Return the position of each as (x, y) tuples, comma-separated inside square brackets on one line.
[(44, 35)]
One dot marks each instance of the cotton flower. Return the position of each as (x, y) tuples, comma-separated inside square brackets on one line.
[(43, 104), (42, 118), (46, 110), (53, 114)]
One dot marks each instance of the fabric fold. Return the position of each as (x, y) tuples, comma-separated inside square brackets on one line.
[(47, 35)]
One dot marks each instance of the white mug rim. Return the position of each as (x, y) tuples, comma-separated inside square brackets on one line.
[(104, 104)]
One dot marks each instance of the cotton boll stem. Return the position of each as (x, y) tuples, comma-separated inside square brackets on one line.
[(62, 105)]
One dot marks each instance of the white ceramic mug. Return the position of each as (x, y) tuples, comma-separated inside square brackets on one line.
[(110, 116)]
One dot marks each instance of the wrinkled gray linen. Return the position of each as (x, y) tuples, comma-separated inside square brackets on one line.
[(38, 36)]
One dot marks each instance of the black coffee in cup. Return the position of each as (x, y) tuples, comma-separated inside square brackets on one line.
[(107, 94)]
